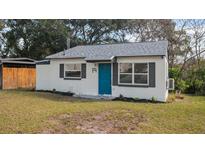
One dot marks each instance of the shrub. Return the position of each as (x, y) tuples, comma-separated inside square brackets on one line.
[(174, 73), (181, 85), (196, 81), (121, 96), (136, 98), (154, 99), (191, 80)]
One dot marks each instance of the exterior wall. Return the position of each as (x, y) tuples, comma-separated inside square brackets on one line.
[(159, 91), (48, 79), (167, 76)]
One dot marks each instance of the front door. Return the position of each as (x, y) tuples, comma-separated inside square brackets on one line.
[(104, 79)]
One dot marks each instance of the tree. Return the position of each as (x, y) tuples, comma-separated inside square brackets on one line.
[(192, 72), (39, 38), (1, 24), (154, 30), (197, 33), (90, 31), (35, 38), (1, 36)]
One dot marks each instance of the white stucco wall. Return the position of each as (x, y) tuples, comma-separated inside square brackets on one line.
[(159, 91), (48, 79), (167, 75)]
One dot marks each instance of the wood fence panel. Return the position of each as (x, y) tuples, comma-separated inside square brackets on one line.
[(14, 78)]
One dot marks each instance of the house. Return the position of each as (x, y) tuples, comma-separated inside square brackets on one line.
[(17, 73), (138, 70)]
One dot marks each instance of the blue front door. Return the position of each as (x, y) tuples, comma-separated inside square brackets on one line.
[(104, 79)]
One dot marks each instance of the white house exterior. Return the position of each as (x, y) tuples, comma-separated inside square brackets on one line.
[(130, 69)]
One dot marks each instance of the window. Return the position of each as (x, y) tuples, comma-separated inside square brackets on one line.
[(126, 73), (140, 73), (133, 73), (72, 70)]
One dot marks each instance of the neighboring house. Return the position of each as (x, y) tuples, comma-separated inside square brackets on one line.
[(138, 70), (17, 73)]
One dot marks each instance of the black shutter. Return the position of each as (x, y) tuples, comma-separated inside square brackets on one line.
[(115, 74), (83, 70), (152, 75), (61, 71)]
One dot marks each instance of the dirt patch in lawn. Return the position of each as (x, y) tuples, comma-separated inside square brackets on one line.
[(123, 121)]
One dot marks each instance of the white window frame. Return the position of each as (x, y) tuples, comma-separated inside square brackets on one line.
[(124, 74), (72, 71), (133, 74)]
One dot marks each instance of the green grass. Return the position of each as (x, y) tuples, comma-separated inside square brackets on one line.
[(38, 112)]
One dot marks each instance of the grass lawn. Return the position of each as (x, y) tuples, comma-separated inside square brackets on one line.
[(38, 112)]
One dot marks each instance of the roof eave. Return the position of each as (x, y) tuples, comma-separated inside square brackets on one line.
[(65, 57), (109, 59), (17, 59), (142, 56), (17, 62)]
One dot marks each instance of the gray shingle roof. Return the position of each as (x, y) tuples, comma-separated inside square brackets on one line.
[(108, 51)]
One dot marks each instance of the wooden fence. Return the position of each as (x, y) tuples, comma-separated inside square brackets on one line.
[(14, 78)]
